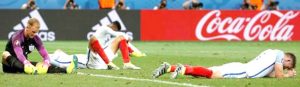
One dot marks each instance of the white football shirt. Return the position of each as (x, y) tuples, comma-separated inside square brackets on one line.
[(264, 63)]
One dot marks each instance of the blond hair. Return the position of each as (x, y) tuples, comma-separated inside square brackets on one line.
[(33, 21)]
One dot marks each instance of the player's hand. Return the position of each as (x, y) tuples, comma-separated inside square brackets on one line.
[(29, 68), (292, 72), (130, 38), (127, 37), (46, 63), (42, 67)]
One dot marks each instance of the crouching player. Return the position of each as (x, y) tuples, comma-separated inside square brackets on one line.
[(23, 42), (93, 60), (104, 45), (270, 63)]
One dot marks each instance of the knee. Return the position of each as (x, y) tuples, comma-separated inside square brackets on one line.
[(120, 38), (92, 39), (5, 54)]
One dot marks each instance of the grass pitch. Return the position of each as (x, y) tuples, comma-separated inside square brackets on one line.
[(193, 53)]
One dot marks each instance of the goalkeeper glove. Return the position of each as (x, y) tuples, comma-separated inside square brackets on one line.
[(29, 68), (42, 67)]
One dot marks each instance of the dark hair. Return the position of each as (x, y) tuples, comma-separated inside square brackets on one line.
[(274, 3), (248, 6), (32, 3), (197, 5), (163, 4), (71, 1), (117, 23), (293, 57), (120, 4)]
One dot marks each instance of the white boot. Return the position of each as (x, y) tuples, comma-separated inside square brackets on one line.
[(112, 66), (130, 66)]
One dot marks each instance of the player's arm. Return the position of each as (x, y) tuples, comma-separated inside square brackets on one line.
[(290, 73), (28, 67), (42, 50), (278, 69), (19, 52), (115, 34)]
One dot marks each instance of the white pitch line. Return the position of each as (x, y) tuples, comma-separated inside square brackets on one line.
[(138, 79)]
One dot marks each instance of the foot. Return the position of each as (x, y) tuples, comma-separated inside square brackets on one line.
[(162, 69), (130, 66), (180, 69), (72, 68), (137, 54), (112, 66)]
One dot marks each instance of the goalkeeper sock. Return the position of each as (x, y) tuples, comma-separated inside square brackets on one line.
[(124, 50), (198, 71), (97, 47)]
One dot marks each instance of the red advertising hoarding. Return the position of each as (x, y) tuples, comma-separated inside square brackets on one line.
[(211, 25)]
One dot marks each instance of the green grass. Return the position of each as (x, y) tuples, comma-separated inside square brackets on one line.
[(193, 53)]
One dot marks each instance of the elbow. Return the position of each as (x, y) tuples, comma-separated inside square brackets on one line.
[(92, 38)]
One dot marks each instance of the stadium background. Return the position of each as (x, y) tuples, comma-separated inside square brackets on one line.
[(140, 4), (71, 28)]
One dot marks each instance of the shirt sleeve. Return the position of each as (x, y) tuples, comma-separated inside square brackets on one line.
[(115, 33), (279, 57), (111, 32), (18, 50), (42, 50)]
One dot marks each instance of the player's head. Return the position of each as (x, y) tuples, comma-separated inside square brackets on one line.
[(32, 28), (289, 61), (116, 25)]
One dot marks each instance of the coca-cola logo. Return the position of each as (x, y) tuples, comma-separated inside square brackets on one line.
[(259, 27)]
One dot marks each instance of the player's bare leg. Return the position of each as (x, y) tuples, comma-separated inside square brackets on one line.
[(115, 43), (95, 46), (120, 43), (5, 54)]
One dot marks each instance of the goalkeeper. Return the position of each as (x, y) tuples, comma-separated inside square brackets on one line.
[(22, 43)]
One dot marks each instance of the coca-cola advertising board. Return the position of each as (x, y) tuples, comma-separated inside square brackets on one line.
[(212, 25)]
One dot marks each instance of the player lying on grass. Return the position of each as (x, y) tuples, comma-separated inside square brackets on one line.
[(269, 63), (62, 59), (22, 43), (104, 45)]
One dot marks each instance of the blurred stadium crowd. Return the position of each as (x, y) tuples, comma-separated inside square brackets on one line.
[(152, 4)]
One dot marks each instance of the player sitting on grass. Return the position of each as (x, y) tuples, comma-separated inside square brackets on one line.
[(23, 42), (63, 60), (104, 45), (270, 63)]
